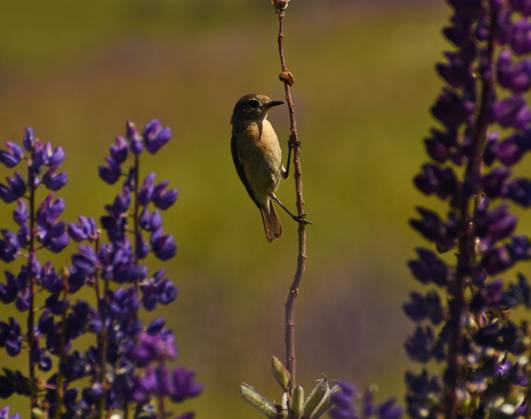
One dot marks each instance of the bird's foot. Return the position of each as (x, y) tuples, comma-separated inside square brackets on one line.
[(301, 219)]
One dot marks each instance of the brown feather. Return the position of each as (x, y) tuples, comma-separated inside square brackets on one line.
[(272, 226)]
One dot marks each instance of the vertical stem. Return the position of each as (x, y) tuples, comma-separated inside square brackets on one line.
[(136, 228), (528, 395), (466, 262), (161, 406), (136, 210), (289, 334), (102, 338), (60, 377), (31, 312)]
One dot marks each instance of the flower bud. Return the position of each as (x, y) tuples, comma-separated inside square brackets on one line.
[(297, 405), (280, 373)]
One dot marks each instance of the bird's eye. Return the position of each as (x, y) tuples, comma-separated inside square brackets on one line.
[(254, 103)]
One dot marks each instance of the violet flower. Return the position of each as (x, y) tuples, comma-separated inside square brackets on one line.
[(131, 360), (39, 228), (349, 404), (4, 413), (118, 369), (483, 350)]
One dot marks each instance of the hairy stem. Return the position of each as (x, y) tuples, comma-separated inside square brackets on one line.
[(289, 334), (466, 263)]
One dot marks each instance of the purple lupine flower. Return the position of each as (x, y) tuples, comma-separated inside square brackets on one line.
[(110, 172), (515, 77), (4, 413), (146, 191), (134, 229), (136, 144), (15, 188), (153, 347), (20, 214), (51, 232), (9, 246), (9, 290), (425, 307), (156, 136), (345, 405), (12, 156), (466, 330), (163, 245), (513, 149), (60, 321), (53, 180), (86, 229), (519, 191), (127, 363), (10, 336), (119, 150), (520, 37), (53, 157), (150, 221), (163, 197), (183, 386), (157, 290)]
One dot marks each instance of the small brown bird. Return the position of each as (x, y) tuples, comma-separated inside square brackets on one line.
[(258, 157)]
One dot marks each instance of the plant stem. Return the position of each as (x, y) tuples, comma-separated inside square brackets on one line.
[(60, 377), (136, 211), (31, 313), (289, 336), (136, 230), (528, 396), (161, 406), (103, 336), (466, 263)]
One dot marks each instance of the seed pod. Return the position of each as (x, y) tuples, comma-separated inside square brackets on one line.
[(280, 373), (315, 397), (326, 403), (259, 402)]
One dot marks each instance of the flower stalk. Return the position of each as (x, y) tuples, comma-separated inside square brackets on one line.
[(31, 310), (286, 77), (470, 196), (468, 326)]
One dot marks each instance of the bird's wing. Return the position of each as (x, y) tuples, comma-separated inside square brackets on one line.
[(239, 169)]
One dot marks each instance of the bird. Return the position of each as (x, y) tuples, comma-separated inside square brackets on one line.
[(257, 156)]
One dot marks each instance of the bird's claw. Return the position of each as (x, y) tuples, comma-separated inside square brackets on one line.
[(302, 219), (294, 143)]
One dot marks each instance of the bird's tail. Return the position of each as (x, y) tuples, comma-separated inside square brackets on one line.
[(272, 227)]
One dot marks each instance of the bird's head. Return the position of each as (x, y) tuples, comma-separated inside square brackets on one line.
[(253, 107)]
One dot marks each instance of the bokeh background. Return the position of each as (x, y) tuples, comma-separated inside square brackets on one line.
[(76, 71)]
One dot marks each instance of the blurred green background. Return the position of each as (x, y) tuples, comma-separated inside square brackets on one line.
[(76, 71)]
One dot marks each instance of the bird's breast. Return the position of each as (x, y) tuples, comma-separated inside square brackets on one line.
[(261, 157)]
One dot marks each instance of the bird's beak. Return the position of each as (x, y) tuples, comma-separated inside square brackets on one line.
[(274, 103)]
